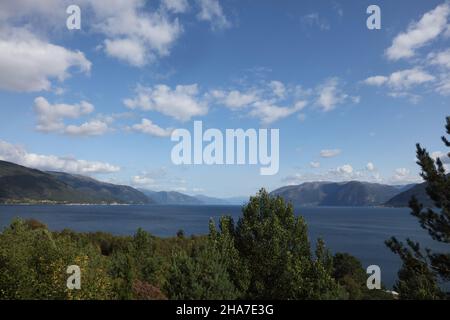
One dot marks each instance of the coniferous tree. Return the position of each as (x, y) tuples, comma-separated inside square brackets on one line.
[(268, 254), (421, 271)]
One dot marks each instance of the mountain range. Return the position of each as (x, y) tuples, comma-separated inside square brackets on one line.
[(351, 193), (19, 184)]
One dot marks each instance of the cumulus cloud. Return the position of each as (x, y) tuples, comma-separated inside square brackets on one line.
[(128, 50), (403, 79), (28, 63), (235, 99), (330, 153), (268, 103), (17, 154), (403, 176), (268, 112), (130, 31), (370, 166), (331, 95), (212, 12), (90, 128), (345, 169), (50, 117), (181, 103), (429, 27), (148, 127), (339, 174), (376, 80)]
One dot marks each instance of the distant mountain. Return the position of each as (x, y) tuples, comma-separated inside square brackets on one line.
[(178, 198), (237, 200), (171, 197), (222, 201), (19, 184), (352, 193), (402, 199), (211, 200)]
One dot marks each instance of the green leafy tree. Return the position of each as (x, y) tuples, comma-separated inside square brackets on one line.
[(224, 242), (421, 271), (270, 247), (199, 275), (33, 264), (350, 274)]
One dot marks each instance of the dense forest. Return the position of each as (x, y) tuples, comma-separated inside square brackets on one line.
[(266, 254)]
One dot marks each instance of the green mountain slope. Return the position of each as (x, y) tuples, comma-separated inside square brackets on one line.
[(19, 184), (402, 199), (171, 197), (352, 193)]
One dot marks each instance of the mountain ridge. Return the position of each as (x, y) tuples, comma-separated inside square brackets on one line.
[(20, 184), (347, 193)]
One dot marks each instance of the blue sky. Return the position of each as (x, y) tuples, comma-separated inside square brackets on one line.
[(350, 103)]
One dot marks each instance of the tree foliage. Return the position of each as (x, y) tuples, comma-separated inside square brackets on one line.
[(423, 269), (268, 254)]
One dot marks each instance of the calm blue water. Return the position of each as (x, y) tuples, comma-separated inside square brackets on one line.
[(358, 231)]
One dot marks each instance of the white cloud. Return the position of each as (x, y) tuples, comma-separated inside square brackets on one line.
[(370, 166), (268, 112), (181, 103), (90, 128), (443, 85), (441, 58), (28, 63), (441, 155), (278, 88), (329, 153), (419, 34), (403, 176), (17, 154), (403, 79), (402, 172), (177, 6), (148, 127), (264, 103), (134, 34), (211, 11), (50, 117), (142, 181), (314, 164), (406, 78), (235, 99), (345, 169), (128, 50), (376, 80), (339, 174), (130, 30), (330, 95)]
